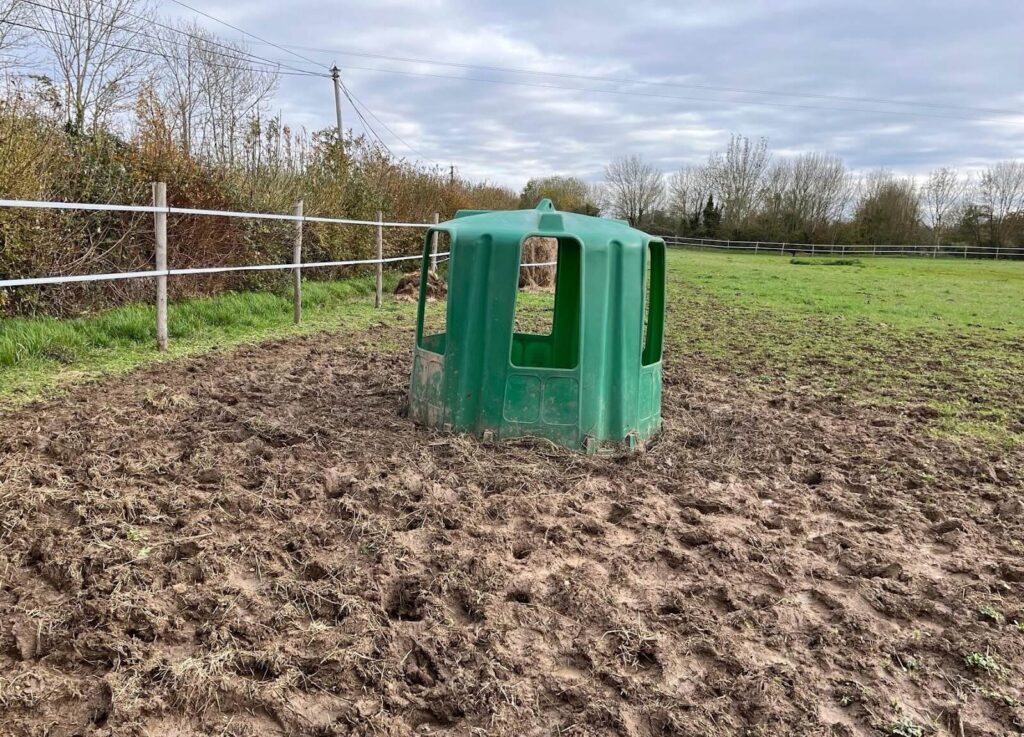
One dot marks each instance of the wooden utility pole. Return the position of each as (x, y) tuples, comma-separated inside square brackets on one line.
[(336, 76)]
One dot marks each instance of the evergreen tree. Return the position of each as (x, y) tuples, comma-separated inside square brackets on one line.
[(711, 218)]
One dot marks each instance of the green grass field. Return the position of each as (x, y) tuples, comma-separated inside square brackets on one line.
[(941, 338)]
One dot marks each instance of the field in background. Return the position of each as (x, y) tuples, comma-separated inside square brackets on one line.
[(943, 339)]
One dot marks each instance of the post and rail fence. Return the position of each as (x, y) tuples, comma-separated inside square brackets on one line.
[(162, 269), (838, 249)]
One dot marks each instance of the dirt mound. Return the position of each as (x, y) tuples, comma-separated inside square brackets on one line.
[(408, 288), (259, 543)]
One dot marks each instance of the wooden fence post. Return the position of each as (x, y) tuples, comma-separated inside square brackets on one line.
[(297, 260), (160, 231), (380, 259), (433, 244)]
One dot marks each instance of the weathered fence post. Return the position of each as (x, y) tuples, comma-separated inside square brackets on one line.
[(756, 246), (380, 259), (297, 260), (433, 244), (160, 231)]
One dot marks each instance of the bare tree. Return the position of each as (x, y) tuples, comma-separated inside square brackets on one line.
[(688, 191), (93, 46), (635, 188), (889, 210), (182, 78), (233, 95), (942, 197), (738, 176), (214, 93), (1002, 195), (11, 33)]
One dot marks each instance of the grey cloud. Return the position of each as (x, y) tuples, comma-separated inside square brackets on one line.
[(935, 52)]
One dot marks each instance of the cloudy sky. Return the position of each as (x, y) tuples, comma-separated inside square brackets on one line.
[(684, 75)]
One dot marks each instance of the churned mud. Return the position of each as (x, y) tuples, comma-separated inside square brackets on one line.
[(259, 543)]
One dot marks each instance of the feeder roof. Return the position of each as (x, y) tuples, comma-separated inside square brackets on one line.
[(544, 219)]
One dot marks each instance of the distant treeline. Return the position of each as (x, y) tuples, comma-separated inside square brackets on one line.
[(744, 193)]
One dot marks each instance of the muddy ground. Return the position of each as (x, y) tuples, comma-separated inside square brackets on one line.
[(258, 543)]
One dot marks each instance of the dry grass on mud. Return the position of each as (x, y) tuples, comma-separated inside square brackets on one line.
[(259, 543)]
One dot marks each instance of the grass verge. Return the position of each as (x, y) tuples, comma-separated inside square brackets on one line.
[(38, 355)]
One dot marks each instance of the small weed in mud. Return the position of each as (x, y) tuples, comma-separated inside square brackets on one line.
[(1000, 698), (905, 727), (908, 662), (992, 614), (985, 662)]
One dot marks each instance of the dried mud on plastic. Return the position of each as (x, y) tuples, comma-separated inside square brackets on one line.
[(259, 543)]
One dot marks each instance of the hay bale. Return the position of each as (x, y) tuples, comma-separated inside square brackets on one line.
[(408, 288), (538, 250)]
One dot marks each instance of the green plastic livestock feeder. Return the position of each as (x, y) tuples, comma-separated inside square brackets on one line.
[(593, 383)]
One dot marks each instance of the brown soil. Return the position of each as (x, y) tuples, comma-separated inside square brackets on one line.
[(259, 543)]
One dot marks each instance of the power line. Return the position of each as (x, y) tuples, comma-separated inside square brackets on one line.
[(366, 123), (356, 103), (243, 31), (679, 85), (705, 100), (246, 57), (353, 99), (351, 95), (150, 52)]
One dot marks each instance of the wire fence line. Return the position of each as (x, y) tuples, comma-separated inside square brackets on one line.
[(160, 210), (33, 204), (40, 281), (827, 249)]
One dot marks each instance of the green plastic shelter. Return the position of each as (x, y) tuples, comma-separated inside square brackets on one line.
[(593, 382)]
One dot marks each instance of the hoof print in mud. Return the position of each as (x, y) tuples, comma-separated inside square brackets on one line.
[(407, 600)]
